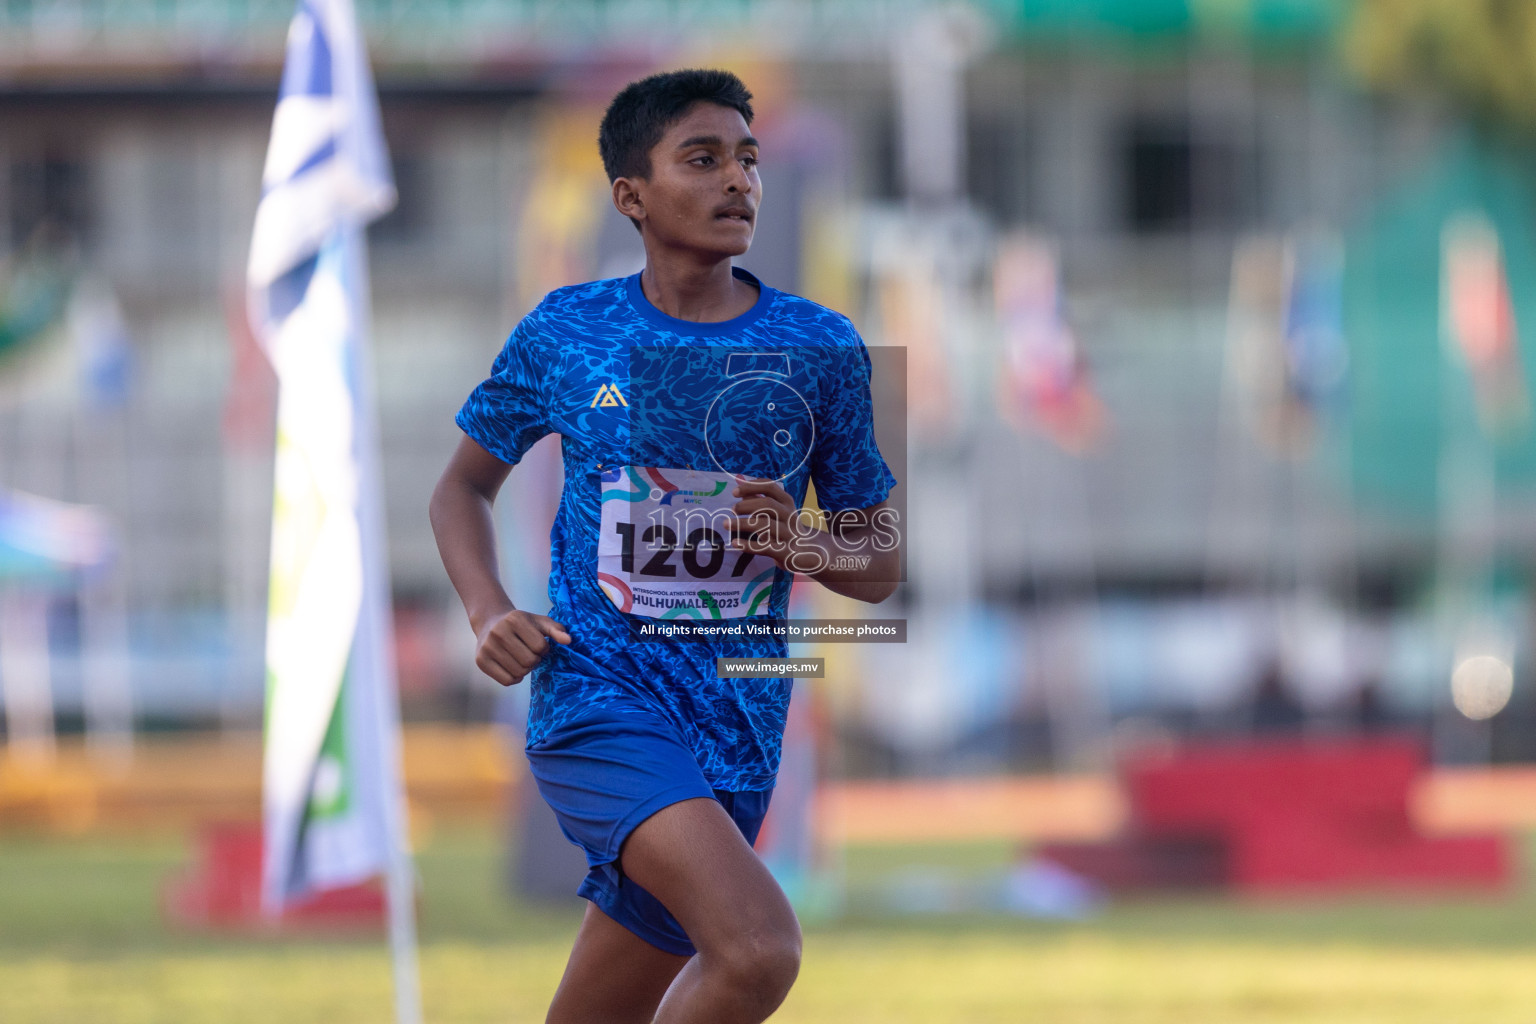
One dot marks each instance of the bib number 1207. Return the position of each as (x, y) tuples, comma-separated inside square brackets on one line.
[(663, 549), (662, 542)]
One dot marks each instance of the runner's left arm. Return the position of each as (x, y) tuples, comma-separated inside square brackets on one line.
[(857, 555)]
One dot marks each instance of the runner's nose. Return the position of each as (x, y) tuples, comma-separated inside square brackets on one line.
[(738, 183)]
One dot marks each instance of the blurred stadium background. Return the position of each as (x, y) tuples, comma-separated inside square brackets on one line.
[(1218, 437)]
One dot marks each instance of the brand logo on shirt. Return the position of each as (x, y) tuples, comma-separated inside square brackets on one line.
[(607, 397)]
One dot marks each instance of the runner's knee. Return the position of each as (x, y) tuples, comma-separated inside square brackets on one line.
[(761, 964)]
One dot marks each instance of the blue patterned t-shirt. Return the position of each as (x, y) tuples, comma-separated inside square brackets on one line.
[(658, 417)]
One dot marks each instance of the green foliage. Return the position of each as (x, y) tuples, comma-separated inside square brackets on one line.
[(1481, 54)]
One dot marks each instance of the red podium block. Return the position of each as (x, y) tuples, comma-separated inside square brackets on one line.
[(1136, 863), (222, 891), (1283, 815), (1361, 784), (1290, 855)]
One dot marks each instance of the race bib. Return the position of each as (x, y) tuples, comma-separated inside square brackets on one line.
[(664, 550)]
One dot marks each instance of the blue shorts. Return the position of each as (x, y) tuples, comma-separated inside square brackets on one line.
[(605, 772)]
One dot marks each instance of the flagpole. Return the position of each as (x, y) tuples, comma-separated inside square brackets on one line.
[(376, 630)]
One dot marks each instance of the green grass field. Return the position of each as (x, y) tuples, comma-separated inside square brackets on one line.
[(81, 940)]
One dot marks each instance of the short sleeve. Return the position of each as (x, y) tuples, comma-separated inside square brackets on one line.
[(846, 465), (505, 414)]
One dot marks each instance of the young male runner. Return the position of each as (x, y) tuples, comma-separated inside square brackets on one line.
[(694, 404)]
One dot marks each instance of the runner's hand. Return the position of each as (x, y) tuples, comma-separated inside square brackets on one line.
[(510, 647), (764, 522)]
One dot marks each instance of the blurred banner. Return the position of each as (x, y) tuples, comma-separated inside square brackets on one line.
[(46, 547), (1479, 320), (102, 350), (1261, 377), (63, 344), (46, 543), (561, 216), (1317, 361), (33, 302), (1044, 379), (332, 792)]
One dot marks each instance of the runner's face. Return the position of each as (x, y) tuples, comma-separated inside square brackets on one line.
[(704, 190)]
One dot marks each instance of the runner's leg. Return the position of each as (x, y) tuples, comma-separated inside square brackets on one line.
[(612, 977), (692, 857)]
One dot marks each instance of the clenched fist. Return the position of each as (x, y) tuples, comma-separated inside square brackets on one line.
[(511, 646)]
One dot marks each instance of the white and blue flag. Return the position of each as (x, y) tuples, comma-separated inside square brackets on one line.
[(332, 798)]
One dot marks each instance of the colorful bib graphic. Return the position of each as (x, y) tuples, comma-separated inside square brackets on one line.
[(664, 549)]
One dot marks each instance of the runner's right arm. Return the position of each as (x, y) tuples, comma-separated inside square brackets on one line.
[(510, 642)]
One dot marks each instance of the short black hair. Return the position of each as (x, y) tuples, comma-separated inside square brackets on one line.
[(643, 111)]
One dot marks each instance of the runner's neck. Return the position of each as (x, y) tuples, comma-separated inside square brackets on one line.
[(701, 294)]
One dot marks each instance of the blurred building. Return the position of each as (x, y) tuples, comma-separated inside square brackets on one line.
[(1147, 139)]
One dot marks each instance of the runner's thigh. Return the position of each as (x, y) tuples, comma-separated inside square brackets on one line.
[(692, 857)]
